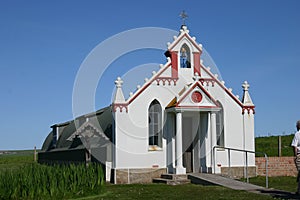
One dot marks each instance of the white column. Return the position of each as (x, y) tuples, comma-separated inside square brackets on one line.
[(179, 166), (213, 129), (208, 148)]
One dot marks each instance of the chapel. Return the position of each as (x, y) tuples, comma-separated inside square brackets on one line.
[(179, 121)]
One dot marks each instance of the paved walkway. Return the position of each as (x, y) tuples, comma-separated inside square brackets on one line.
[(212, 179)]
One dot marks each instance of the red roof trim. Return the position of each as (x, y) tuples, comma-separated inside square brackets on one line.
[(125, 105), (197, 107), (248, 108), (223, 87), (147, 85)]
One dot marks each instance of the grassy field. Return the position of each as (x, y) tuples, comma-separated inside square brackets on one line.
[(269, 145), (16, 159)]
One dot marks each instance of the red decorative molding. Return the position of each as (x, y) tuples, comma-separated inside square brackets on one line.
[(223, 87), (207, 81), (208, 107), (248, 109), (166, 79)]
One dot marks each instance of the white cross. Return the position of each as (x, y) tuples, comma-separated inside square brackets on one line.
[(119, 82), (246, 86)]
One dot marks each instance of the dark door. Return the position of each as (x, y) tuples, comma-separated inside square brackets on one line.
[(187, 144)]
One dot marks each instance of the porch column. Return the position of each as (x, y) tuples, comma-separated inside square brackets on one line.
[(213, 129), (179, 166)]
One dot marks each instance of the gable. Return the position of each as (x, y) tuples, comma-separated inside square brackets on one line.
[(184, 38), (90, 135), (172, 71), (195, 97)]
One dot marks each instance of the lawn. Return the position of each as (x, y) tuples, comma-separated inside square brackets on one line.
[(161, 191), (286, 183)]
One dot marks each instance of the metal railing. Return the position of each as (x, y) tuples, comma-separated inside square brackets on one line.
[(240, 150)]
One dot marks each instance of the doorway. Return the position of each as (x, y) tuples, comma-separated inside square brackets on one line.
[(187, 143)]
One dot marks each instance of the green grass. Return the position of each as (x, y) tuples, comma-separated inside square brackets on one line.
[(285, 183), (269, 145), (22, 178), (161, 191), (16, 159)]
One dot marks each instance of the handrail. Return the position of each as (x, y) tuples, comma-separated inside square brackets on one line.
[(241, 150)]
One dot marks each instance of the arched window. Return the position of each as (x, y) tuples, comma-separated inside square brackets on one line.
[(185, 56), (155, 124), (220, 126)]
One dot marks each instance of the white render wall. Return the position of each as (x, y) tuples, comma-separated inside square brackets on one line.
[(131, 129)]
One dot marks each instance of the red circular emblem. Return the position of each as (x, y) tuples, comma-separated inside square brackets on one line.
[(197, 97)]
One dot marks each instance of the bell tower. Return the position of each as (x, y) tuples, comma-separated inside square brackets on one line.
[(184, 52)]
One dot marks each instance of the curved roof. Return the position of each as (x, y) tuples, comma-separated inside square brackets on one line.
[(101, 119), (48, 142)]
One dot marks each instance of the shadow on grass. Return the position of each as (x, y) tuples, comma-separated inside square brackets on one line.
[(279, 194)]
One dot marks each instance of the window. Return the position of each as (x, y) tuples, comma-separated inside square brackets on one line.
[(155, 124), (220, 126), (185, 57)]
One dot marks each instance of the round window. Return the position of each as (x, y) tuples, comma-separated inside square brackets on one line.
[(196, 97)]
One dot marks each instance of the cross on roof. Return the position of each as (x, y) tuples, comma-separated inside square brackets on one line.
[(246, 86), (119, 82), (183, 16)]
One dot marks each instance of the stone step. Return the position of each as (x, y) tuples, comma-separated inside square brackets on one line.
[(172, 179), (171, 182), (174, 176)]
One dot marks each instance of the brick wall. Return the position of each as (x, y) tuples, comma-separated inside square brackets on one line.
[(278, 166)]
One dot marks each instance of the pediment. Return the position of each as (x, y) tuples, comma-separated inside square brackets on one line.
[(194, 96)]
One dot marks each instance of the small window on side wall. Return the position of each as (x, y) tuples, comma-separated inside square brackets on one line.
[(220, 126), (155, 125)]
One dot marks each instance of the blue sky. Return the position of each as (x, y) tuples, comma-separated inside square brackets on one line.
[(43, 43)]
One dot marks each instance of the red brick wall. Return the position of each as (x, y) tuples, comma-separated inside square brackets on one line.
[(278, 166)]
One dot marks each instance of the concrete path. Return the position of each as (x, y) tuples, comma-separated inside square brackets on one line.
[(212, 179)]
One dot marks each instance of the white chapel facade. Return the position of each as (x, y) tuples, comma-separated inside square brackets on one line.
[(179, 115)]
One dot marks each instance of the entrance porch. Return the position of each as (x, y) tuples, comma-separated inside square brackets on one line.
[(191, 136)]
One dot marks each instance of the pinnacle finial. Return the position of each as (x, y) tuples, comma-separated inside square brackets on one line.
[(246, 86), (119, 82), (247, 101)]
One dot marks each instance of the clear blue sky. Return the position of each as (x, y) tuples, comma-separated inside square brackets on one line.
[(43, 43)]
